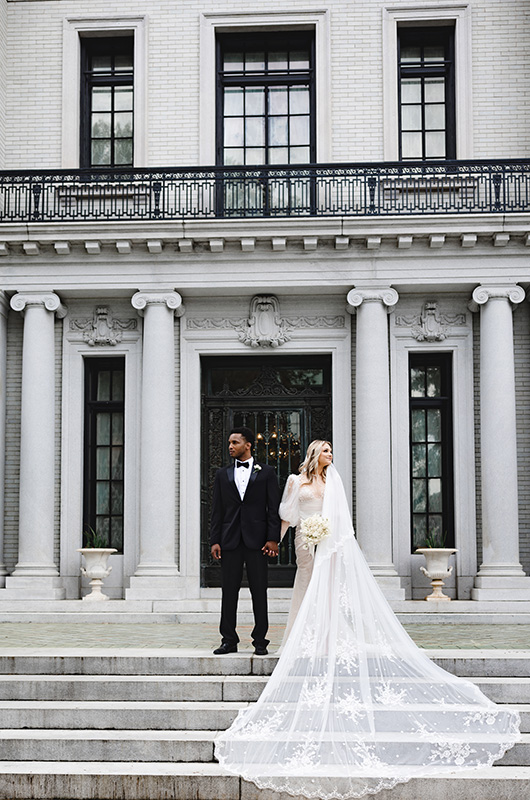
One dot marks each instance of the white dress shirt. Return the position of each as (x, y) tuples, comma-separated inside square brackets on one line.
[(242, 475)]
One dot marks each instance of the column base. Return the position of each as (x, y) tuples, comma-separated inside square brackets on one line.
[(33, 587), (390, 585), (155, 587), (501, 587)]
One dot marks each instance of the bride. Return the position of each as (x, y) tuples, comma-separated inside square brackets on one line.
[(353, 706)]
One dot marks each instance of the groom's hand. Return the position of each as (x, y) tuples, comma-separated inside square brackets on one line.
[(270, 549), (216, 551)]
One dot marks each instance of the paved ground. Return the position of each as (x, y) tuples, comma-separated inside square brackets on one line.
[(201, 636)]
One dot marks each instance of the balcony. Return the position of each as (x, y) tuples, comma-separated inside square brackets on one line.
[(304, 191)]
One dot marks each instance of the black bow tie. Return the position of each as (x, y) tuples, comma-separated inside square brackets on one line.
[(245, 464)]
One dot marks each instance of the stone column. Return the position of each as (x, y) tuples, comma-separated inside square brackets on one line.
[(372, 433), (36, 574), (4, 308), (500, 576), (157, 570)]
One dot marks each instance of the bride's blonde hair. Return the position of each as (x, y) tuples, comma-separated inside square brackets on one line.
[(309, 467)]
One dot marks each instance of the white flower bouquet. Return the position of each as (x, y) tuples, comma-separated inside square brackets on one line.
[(314, 529)]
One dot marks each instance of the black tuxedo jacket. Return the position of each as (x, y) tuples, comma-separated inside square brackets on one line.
[(254, 519)]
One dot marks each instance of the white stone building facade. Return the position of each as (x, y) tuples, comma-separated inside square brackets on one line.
[(170, 266)]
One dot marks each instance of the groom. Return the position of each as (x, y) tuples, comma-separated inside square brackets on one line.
[(244, 530)]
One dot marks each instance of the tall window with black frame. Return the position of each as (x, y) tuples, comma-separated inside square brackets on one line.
[(426, 91), (265, 118), (107, 96)]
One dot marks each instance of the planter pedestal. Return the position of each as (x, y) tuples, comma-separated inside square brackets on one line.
[(437, 569), (96, 559)]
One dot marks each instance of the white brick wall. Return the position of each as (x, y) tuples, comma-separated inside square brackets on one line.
[(501, 84), (3, 46), (13, 395), (521, 322)]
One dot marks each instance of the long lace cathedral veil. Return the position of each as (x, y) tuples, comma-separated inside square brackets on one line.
[(353, 706)]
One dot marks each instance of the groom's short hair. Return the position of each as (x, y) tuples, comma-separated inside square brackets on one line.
[(246, 433)]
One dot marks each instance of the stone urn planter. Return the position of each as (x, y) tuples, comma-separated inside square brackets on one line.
[(437, 569), (96, 559)]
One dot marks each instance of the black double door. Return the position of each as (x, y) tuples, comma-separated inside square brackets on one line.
[(286, 401)]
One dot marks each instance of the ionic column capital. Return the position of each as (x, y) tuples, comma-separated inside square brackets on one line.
[(372, 294), (48, 300), (512, 292), (169, 298)]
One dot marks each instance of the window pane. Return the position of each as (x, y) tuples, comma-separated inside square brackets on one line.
[(411, 90), (100, 152), (434, 90), (118, 379), (299, 130), (279, 155), (254, 101), (434, 382), (233, 62), (434, 117), (234, 157), (418, 425), (278, 130), (299, 59), (123, 125), (278, 61), (299, 155), (411, 145), (299, 100), (411, 118), (123, 63), (410, 53), (103, 428), (116, 533), (417, 382), (435, 527), (123, 151), (101, 98), (101, 63), (435, 460), (123, 98), (419, 465), (103, 463), (101, 125), (434, 424), (278, 100), (116, 498), (103, 527), (102, 497), (434, 53), (419, 531), (419, 495), (435, 494), (233, 102), (117, 427), (103, 392), (255, 155), (255, 62), (255, 131), (234, 133), (435, 145)]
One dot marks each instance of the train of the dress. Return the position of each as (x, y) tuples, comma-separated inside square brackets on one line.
[(353, 706)]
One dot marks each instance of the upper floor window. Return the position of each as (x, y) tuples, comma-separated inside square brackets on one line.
[(426, 90), (107, 102), (265, 98)]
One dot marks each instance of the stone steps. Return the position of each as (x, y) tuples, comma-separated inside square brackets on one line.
[(42, 780), (141, 724)]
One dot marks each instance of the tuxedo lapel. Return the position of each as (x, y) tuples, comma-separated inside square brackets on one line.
[(230, 474), (254, 474)]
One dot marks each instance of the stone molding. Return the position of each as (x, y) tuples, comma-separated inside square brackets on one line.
[(102, 328), (173, 300), (50, 301), (385, 294), (430, 325), (512, 292)]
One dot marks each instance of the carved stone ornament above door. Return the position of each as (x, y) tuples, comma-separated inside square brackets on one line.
[(430, 325), (264, 327), (102, 328)]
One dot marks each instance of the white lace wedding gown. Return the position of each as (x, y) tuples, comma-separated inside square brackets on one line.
[(353, 705)]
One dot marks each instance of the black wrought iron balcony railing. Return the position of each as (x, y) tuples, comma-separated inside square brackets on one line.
[(315, 190)]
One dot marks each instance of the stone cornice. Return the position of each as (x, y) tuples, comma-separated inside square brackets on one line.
[(50, 301), (169, 298), (372, 294), (512, 292)]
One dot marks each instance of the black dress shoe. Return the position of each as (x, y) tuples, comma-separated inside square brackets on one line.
[(261, 651), (225, 648)]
